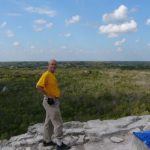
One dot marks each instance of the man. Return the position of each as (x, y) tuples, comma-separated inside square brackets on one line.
[(53, 125)]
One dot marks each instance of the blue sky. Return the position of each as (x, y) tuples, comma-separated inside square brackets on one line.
[(80, 30)]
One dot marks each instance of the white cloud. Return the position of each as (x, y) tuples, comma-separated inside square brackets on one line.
[(67, 34), (148, 45), (40, 21), (118, 14), (41, 24), (133, 10), (137, 40), (49, 25), (3, 24), (74, 19), (9, 33), (63, 47), (32, 47), (148, 21), (119, 43), (119, 49), (14, 14), (114, 29), (16, 44), (42, 11), (38, 29), (117, 22)]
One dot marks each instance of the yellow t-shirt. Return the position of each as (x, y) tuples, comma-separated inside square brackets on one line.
[(49, 82)]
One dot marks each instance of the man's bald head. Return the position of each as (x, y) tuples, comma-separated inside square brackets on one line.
[(52, 61), (52, 65)]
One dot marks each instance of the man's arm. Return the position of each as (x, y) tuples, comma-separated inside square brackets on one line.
[(41, 90)]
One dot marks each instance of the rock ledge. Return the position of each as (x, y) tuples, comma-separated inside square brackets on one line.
[(90, 135)]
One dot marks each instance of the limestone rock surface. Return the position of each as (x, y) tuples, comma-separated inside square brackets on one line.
[(90, 135)]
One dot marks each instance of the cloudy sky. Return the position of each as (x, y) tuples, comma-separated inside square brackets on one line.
[(94, 30)]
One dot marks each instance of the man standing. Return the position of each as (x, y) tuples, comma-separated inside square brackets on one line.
[(53, 125)]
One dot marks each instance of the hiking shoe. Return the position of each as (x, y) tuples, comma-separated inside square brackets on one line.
[(51, 143), (63, 147)]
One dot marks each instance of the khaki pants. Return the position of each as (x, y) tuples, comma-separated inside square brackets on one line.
[(53, 121)]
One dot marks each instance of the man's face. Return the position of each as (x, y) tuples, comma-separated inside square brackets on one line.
[(52, 66)]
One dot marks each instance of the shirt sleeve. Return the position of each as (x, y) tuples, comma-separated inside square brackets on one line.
[(42, 81)]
